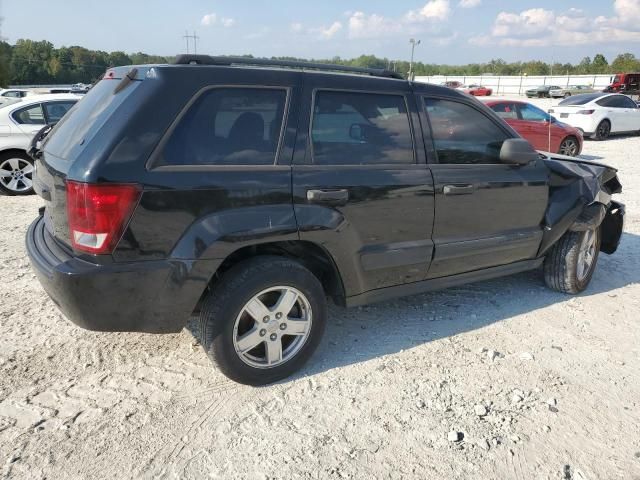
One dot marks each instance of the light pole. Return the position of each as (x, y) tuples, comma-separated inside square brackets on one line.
[(414, 43)]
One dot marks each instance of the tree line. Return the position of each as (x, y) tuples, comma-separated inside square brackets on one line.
[(30, 62)]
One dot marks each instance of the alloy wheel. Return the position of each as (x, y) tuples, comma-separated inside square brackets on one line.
[(569, 147), (272, 327), (603, 130), (586, 254), (16, 174)]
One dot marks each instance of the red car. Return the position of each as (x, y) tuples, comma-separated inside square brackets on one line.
[(533, 125), (476, 90)]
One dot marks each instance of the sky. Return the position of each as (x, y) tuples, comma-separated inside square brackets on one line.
[(450, 31)]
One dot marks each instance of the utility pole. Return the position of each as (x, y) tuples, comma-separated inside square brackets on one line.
[(413, 43), (193, 37)]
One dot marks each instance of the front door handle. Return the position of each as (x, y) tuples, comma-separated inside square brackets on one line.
[(335, 197), (458, 189)]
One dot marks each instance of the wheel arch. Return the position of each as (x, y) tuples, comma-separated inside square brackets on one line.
[(312, 256)]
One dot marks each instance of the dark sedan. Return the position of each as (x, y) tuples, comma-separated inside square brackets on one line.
[(541, 92)]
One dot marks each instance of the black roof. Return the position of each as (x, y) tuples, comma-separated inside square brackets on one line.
[(264, 62)]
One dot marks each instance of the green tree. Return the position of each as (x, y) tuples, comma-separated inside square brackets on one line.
[(625, 63), (5, 62), (599, 64), (30, 62)]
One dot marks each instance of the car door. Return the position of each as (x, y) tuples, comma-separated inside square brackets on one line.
[(361, 187), (486, 213), (537, 125), (508, 111), (629, 113)]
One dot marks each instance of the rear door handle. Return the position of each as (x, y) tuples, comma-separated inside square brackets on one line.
[(458, 189), (336, 197)]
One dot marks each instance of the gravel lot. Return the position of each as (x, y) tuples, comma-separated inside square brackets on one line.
[(533, 383)]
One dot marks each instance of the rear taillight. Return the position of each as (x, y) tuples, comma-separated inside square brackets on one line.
[(585, 112), (98, 214)]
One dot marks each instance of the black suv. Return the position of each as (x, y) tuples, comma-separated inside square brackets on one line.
[(247, 192)]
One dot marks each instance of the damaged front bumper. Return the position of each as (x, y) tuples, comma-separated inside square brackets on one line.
[(580, 199)]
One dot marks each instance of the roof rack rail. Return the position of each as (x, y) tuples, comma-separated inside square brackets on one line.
[(265, 62)]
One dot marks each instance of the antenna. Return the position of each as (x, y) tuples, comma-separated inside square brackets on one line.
[(550, 105)]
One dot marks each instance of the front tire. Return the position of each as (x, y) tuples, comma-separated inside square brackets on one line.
[(16, 170), (570, 264), (263, 319), (569, 146)]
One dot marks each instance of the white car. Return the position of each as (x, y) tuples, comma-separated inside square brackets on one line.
[(19, 122), (599, 115), (15, 92)]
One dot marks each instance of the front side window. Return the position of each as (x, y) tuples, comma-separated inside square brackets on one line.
[(507, 111), (29, 115), (351, 128), (533, 114), (229, 126), (463, 135)]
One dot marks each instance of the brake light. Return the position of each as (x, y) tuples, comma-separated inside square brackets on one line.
[(98, 214), (585, 112), (109, 75)]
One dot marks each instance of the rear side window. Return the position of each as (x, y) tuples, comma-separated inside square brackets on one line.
[(229, 126), (463, 135), (351, 128), (56, 110), (32, 115)]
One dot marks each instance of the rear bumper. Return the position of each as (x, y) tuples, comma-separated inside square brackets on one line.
[(149, 296)]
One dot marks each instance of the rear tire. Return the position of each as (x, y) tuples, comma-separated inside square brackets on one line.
[(569, 265), (16, 170), (251, 350), (603, 130), (567, 95)]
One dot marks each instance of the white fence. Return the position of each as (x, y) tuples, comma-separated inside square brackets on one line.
[(517, 85)]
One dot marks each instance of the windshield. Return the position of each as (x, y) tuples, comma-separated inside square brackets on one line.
[(617, 79), (581, 99)]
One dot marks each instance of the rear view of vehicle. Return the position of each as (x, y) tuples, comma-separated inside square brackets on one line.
[(599, 115)]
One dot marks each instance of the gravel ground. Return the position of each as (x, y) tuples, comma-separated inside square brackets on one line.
[(502, 379)]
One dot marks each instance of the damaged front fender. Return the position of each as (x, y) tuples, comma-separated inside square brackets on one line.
[(580, 199)]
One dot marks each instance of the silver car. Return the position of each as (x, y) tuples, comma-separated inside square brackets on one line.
[(571, 90)]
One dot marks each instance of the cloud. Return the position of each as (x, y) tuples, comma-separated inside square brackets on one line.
[(433, 10), (330, 31), (538, 27), (363, 25), (469, 3), (212, 19), (297, 27), (209, 19)]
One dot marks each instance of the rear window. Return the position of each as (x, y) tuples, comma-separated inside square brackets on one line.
[(75, 130), (581, 99)]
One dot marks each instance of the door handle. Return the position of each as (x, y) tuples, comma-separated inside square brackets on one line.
[(458, 189), (336, 197)]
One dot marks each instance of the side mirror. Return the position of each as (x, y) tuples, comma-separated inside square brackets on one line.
[(517, 151)]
